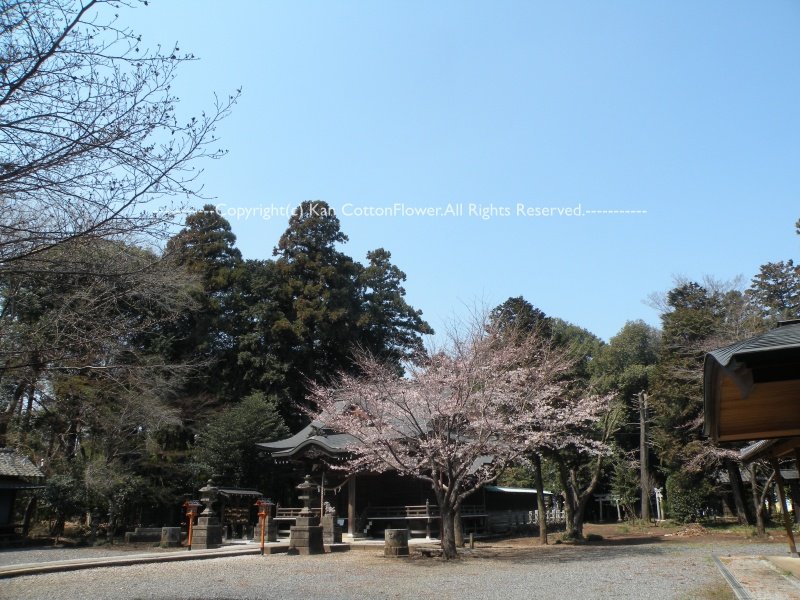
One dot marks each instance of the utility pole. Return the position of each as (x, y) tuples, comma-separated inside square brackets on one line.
[(643, 456)]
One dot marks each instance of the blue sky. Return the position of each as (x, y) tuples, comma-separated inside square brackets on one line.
[(685, 111)]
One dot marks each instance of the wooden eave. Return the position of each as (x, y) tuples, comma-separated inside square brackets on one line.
[(752, 388)]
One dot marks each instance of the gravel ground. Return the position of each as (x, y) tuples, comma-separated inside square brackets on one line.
[(651, 570), (38, 554)]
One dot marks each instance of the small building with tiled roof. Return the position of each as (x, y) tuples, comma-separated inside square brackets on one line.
[(17, 473)]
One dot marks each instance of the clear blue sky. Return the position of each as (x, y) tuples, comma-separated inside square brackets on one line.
[(687, 110)]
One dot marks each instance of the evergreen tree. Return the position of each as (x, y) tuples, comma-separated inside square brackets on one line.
[(389, 326), (625, 367), (266, 341), (320, 296), (520, 315), (225, 447), (776, 289), (693, 317), (208, 335)]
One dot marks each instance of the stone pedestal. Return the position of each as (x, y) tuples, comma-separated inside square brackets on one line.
[(207, 533), (306, 537), (170, 537), (271, 534), (395, 542), (331, 532)]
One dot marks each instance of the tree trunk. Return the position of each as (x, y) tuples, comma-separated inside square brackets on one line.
[(758, 499), (735, 477), (569, 499), (112, 526), (58, 526), (583, 498), (25, 423), (580, 507), (537, 474), (458, 529), (26, 520), (448, 532), (7, 415)]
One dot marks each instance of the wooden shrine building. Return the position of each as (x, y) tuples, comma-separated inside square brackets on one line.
[(366, 504), (752, 393)]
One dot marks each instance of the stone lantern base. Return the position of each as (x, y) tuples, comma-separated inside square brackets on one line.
[(207, 533), (306, 537)]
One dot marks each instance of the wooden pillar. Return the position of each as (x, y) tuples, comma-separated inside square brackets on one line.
[(796, 501), (351, 506), (427, 519), (787, 521)]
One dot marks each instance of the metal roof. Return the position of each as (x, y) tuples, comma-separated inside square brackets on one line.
[(13, 464), (513, 490)]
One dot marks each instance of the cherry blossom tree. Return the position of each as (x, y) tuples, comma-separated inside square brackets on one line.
[(457, 420)]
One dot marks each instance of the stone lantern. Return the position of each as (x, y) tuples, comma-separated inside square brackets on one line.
[(208, 531), (305, 537)]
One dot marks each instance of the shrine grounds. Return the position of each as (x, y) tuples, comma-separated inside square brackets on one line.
[(628, 562)]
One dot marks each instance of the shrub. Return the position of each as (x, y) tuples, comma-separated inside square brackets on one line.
[(686, 496)]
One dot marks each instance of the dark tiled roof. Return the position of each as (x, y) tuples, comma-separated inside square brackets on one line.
[(16, 465), (755, 450), (311, 435), (787, 336), (783, 341), (238, 492)]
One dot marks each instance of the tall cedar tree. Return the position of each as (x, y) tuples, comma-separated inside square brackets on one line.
[(320, 291), (333, 306), (208, 335), (390, 327)]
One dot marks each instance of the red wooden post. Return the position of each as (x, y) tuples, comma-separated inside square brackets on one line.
[(263, 506), (191, 511)]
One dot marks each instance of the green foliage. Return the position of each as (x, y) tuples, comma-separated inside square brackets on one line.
[(626, 362), (517, 476), (520, 315), (687, 495), (64, 496), (388, 325), (776, 289), (625, 482), (205, 249), (225, 447), (694, 315), (324, 306)]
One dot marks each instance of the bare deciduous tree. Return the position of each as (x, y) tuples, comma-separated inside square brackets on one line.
[(90, 137)]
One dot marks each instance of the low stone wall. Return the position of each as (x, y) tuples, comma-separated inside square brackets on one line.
[(143, 534)]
